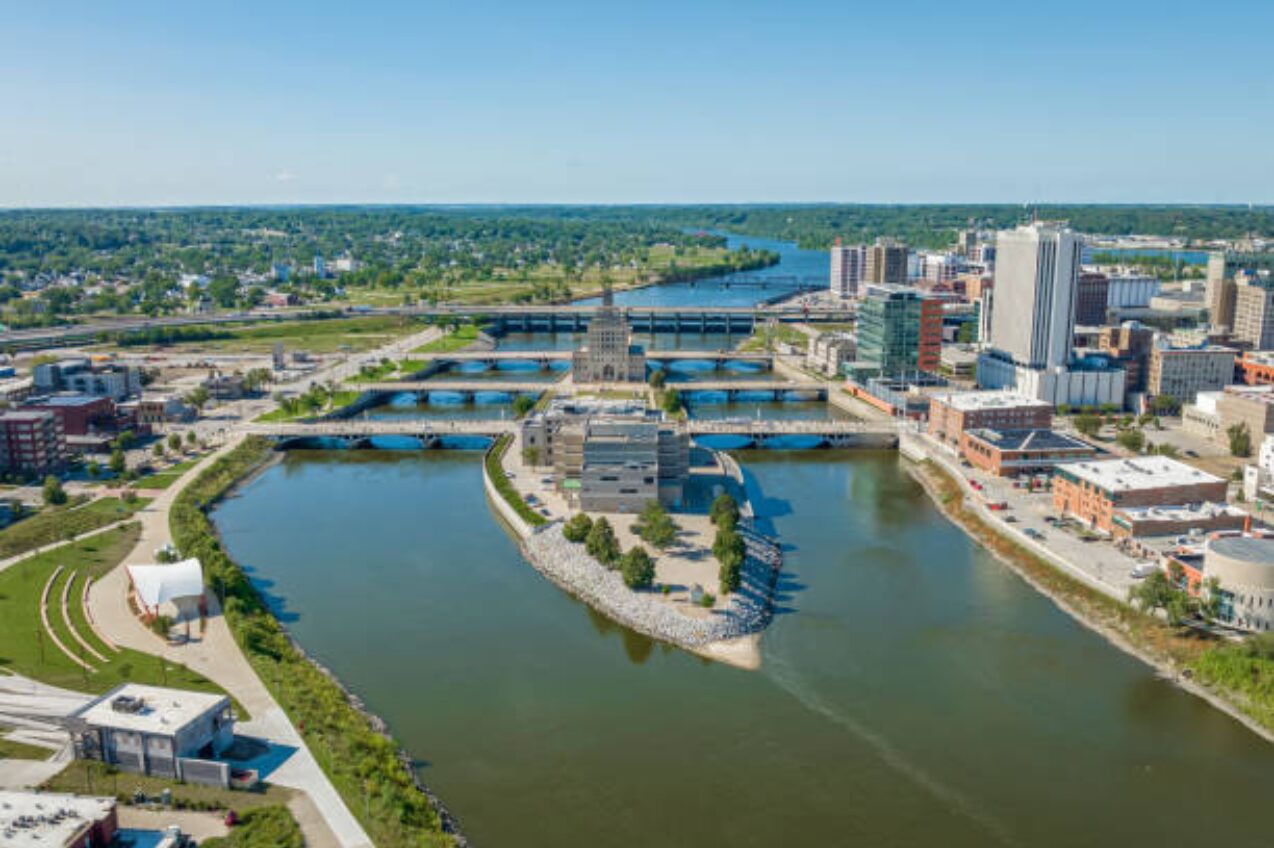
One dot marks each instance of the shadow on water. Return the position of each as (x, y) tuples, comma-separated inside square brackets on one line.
[(637, 647), (278, 604)]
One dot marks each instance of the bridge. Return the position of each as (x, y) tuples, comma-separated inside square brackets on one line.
[(358, 433), (464, 387), (493, 356)]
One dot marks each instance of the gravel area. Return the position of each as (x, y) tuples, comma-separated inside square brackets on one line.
[(570, 567)]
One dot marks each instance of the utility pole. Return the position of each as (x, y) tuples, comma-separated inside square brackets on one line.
[(39, 637)]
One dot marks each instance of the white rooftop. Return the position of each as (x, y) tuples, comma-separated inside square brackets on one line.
[(47, 819), (158, 584), (164, 711), (1144, 472), (979, 401), (1182, 512)]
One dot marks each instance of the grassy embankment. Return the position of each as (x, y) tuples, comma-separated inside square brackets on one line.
[(326, 335), (765, 338), (57, 524), (337, 400), (163, 479), (495, 470), (25, 647), (363, 765), (513, 286), (264, 827), (458, 339), (10, 750), (90, 777), (1241, 674)]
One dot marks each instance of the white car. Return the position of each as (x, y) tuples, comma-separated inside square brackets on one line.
[(1144, 570)]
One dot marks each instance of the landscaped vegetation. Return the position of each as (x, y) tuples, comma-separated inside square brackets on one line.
[(91, 777), (59, 523), (363, 765), (263, 827), (495, 470), (27, 646), (458, 339), (727, 546), (318, 399), (166, 477)]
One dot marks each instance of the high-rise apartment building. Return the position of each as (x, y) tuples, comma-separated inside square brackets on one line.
[(1254, 315), (848, 269), (1036, 270), (32, 442), (1091, 294), (899, 330), (886, 262)]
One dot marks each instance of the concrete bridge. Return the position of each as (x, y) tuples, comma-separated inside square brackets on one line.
[(494, 356), (468, 388), (358, 433), (649, 319), (777, 389)]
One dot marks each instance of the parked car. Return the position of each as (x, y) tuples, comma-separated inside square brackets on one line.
[(1033, 533)]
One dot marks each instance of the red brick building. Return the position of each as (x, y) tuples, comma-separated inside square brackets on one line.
[(32, 442), (80, 414), (952, 413), (1007, 453), (1094, 491)]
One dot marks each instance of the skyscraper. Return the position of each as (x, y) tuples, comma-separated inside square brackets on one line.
[(886, 262), (899, 330), (855, 265), (1036, 270)]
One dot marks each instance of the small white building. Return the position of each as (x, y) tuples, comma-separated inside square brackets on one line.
[(178, 586), (155, 730)]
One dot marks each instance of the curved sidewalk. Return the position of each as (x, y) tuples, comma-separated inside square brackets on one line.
[(217, 656)]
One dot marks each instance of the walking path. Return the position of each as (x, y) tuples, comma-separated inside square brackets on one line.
[(216, 655)]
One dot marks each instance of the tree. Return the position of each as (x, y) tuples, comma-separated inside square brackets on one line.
[(728, 543), (118, 462), (174, 442), (1109, 408), (637, 568), (54, 494), (730, 574), (1240, 439), (1063, 409), (601, 543), (658, 378), (1088, 424), (198, 397), (655, 526), (1133, 440), (724, 511), (576, 527), (522, 404), (670, 402), (94, 469), (158, 450), (191, 438), (1164, 404)]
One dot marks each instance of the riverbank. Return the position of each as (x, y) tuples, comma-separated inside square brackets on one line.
[(1142, 636), (368, 769)]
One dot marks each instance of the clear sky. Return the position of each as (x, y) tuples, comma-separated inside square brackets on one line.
[(124, 103)]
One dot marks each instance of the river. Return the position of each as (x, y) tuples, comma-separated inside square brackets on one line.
[(914, 691)]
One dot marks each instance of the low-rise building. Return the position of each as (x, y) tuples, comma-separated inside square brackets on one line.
[(898, 397), (1242, 566), (32, 442), (171, 733), (1245, 406), (80, 414), (1093, 491), (1256, 368), (163, 409), (952, 413), (609, 456), (56, 820), (1182, 373), (1143, 521), (828, 352), (1007, 453)]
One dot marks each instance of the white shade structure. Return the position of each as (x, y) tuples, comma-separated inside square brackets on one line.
[(180, 584)]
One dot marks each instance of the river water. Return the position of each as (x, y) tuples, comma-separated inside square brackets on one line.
[(914, 692)]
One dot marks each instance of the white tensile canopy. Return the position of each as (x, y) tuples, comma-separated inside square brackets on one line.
[(180, 583)]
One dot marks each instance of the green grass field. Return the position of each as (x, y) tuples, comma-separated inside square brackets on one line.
[(462, 337), (26, 649), (316, 336), (89, 777), (10, 750), (163, 479), (57, 524)]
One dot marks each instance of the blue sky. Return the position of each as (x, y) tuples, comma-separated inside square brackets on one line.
[(596, 102)]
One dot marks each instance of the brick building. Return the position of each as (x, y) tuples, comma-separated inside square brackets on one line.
[(952, 413), (32, 441), (1094, 491), (1007, 453)]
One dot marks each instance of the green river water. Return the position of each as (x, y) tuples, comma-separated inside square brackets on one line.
[(914, 691)]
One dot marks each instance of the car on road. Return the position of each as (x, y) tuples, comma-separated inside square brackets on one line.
[(1144, 570), (1034, 534), (1010, 519)]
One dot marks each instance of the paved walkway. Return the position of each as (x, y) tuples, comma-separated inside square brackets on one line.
[(216, 655)]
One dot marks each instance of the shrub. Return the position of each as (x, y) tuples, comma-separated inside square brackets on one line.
[(576, 528), (637, 568), (602, 544)]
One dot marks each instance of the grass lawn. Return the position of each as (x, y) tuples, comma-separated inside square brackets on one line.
[(57, 524), (10, 750), (316, 336), (464, 335), (95, 778), (165, 478), (339, 400), (26, 649)]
